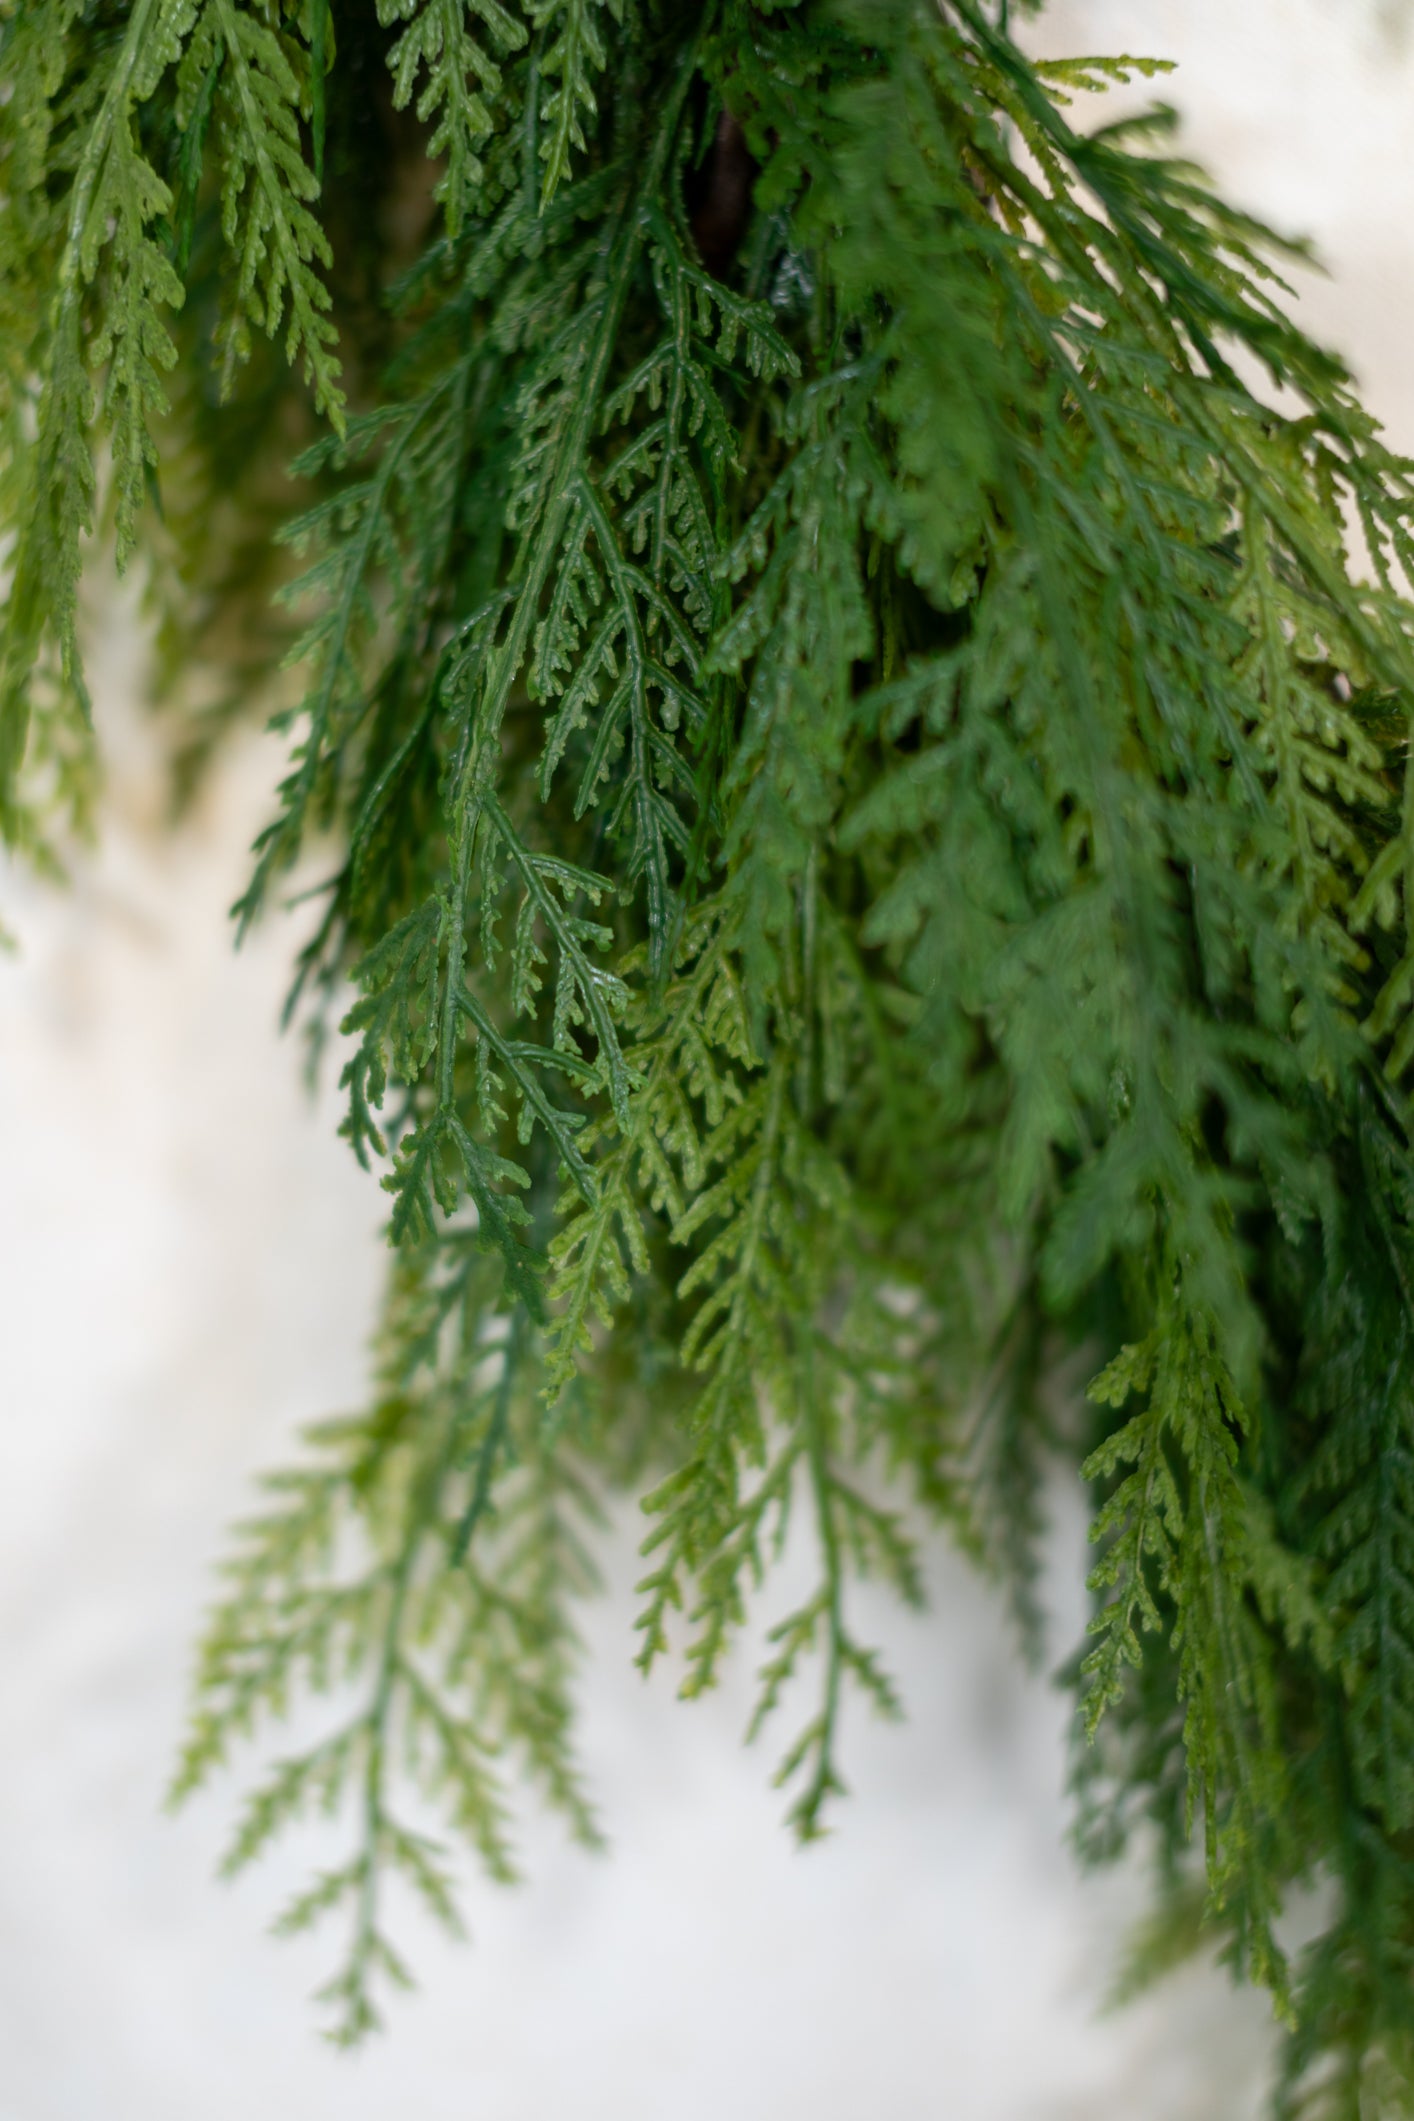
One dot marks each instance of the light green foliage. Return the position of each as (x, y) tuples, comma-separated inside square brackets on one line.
[(267, 188), (459, 75), (102, 227), (573, 54), (872, 839), (385, 1580)]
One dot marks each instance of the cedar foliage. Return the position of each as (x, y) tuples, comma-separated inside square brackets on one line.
[(856, 666)]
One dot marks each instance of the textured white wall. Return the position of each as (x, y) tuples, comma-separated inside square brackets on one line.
[(187, 1267)]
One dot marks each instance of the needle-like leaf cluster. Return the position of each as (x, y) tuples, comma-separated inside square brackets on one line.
[(856, 668)]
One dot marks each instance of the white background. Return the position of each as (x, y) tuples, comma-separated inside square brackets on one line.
[(188, 1265)]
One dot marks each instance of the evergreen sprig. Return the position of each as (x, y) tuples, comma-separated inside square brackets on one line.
[(871, 806)]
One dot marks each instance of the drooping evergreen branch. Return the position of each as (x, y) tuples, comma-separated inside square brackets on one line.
[(872, 837), (446, 1649)]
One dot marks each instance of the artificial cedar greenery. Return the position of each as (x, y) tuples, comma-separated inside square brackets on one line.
[(867, 781)]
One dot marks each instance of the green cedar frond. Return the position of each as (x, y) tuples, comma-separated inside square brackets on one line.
[(370, 533), (112, 197), (691, 1047), (414, 1575), (1362, 1473), (1035, 750), (867, 813), (133, 345), (267, 194), (460, 74), (1094, 75), (804, 626), (573, 52), (1177, 1526), (1349, 2054)]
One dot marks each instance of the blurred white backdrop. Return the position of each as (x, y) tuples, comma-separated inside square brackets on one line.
[(188, 1265)]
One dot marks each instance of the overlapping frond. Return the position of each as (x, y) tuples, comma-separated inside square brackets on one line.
[(104, 227), (867, 811)]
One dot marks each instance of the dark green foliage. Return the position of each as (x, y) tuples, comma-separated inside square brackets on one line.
[(872, 823)]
